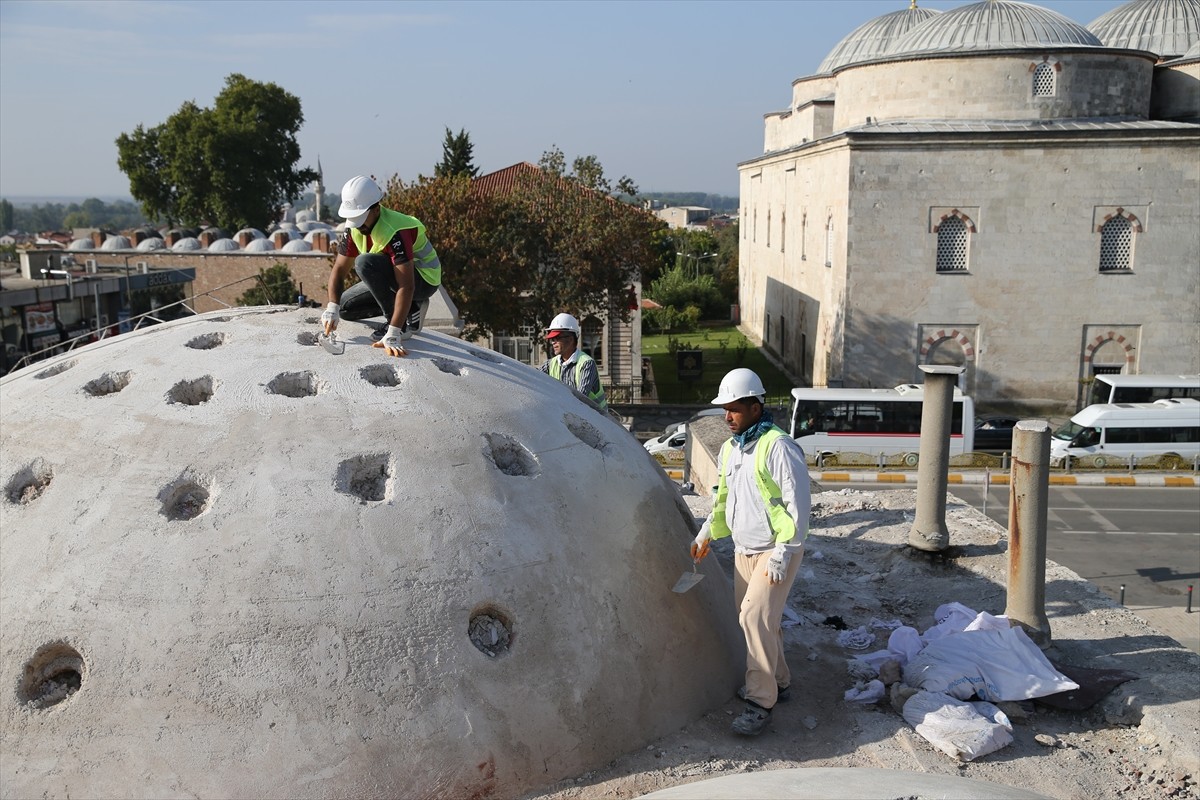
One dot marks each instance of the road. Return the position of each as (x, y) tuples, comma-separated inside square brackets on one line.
[(1146, 539)]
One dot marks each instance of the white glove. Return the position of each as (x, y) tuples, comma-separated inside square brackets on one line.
[(700, 545), (391, 343), (777, 563), (329, 319)]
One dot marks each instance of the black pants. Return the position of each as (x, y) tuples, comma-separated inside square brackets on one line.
[(376, 293)]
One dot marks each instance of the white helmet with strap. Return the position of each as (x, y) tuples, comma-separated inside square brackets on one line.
[(737, 384), (358, 195), (563, 323)]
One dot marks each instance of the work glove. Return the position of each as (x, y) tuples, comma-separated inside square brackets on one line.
[(700, 545), (777, 563), (330, 317), (391, 343)]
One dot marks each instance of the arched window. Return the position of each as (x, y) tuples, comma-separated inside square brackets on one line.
[(1116, 245), (1043, 80), (829, 242), (952, 240)]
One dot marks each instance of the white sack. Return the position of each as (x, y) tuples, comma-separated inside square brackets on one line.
[(987, 622), (961, 730), (995, 665), (951, 618), (872, 692)]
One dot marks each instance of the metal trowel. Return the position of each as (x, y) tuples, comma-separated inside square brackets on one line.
[(687, 580), (331, 344)]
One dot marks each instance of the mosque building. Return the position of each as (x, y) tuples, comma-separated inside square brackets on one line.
[(996, 187)]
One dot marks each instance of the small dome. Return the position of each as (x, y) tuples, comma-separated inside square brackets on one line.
[(116, 243), (187, 243), (994, 25), (260, 246), (872, 39), (1166, 28), (304, 215), (223, 246), (297, 246), (153, 243), (308, 237), (255, 232), (215, 232), (80, 244), (287, 226)]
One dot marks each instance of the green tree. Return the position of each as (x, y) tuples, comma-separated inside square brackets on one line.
[(274, 287), (457, 156), (6, 216), (521, 256), (678, 289), (233, 165)]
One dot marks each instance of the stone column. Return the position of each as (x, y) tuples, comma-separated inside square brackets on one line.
[(937, 407), (1027, 498)]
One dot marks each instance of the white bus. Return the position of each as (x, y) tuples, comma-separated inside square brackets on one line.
[(1141, 388), (873, 421), (1112, 432)]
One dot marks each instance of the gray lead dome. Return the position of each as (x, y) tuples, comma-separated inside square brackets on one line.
[(873, 39), (994, 25), (1166, 28)]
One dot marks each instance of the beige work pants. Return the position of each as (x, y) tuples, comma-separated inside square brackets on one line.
[(760, 613)]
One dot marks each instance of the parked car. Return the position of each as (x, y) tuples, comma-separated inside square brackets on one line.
[(994, 432), (672, 439)]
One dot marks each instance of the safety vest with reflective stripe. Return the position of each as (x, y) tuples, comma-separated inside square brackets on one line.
[(597, 396), (782, 524), (425, 258)]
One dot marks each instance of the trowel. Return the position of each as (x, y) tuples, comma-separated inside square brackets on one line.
[(331, 344), (687, 580)]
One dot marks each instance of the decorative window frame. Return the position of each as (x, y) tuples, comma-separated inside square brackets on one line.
[(965, 214), (1135, 215), (1043, 68)]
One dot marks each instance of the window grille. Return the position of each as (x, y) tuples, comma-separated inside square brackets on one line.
[(952, 245), (1116, 245), (1043, 81)]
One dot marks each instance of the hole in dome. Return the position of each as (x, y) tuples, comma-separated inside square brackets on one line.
[(294, 384), (510, 456), (585, 432), (186, 498), (108, 383), (56, 369), (490, 630), (488, 355), (307, 338), (312, 320), (449, 366), (29, 483), (365, 477), (207, 341), (220, 319), (380, 375), (53, 674), (193, 392)]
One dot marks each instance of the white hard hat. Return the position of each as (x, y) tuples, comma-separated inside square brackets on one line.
[(560, 323), (737, 384), (358, 195)]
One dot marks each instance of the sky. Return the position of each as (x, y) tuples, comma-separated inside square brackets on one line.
[(667, 92)]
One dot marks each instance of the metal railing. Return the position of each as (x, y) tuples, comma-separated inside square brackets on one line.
[(154, 316)]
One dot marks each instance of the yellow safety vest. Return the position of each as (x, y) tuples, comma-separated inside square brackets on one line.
[(782, 524), (597, 396), (425, 258)]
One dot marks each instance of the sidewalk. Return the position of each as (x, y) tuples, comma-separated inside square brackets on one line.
[(1001, 478)]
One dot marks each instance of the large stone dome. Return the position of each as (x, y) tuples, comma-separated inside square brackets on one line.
[(233, 564), (994, 25), (874, 38), (1166, 28)]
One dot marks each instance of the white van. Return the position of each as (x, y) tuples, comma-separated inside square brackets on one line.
[(1112, 432)]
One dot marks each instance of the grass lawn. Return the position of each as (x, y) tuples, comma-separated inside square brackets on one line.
[(724, 348)]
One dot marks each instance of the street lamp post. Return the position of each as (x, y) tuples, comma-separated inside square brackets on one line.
[(696, 259)]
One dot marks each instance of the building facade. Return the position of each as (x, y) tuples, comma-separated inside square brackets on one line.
[(993, 187)]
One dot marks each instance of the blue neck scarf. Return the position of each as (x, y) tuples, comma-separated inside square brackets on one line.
[(744, 439)]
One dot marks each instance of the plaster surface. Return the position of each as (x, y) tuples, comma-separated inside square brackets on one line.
[(234, 564)]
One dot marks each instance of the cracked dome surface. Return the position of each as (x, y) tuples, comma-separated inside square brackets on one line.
[(234, 564)]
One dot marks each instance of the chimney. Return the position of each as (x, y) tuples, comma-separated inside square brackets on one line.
[(206, 238), (172, 237), (320, 241), (137, 237), (279, 239), (244, 238), (97, 239)]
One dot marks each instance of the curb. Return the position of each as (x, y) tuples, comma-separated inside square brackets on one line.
[(1003, 479)]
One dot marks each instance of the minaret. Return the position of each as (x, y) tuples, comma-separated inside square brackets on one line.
[(318, 191)]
